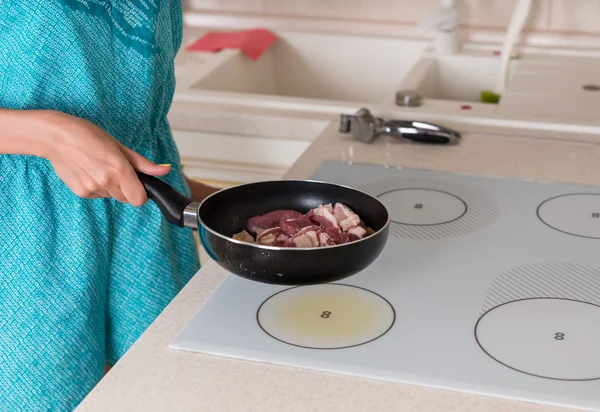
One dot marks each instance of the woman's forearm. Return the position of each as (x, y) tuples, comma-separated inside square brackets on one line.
[(91, 162), (37, 133), (27, 132)]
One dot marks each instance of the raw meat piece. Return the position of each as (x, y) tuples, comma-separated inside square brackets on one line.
[(306, 237), (292, 226), (345, 217), (320, 220), (244, 237), (352, 237), (357, 231), (322, 226), (326, 211), (325, 239), (271, 219), (272, 237), (335, 234)]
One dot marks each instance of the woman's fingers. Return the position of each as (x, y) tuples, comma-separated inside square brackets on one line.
[(115, 191), (100, 194), (131, 186), (133, 189), (140, 163)]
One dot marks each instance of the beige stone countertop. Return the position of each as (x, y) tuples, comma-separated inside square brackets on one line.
[(152, 377)]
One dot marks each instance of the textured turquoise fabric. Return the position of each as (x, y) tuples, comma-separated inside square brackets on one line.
[(80, 279)]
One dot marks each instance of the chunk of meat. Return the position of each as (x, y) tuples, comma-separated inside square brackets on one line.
[(319, 220), (272, 237), (324, 225), (271, 219), (357, 231), (325, 239), (306, 237), (244, 236), (292, 226), (340, 237), (345, 217), (335, 234), (325, 211)]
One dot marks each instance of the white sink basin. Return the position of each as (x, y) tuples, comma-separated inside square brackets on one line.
[(460, 77), (319, 66)]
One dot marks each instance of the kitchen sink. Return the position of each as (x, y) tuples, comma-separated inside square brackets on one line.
[(321, 75), (318, 66), (459, 77)]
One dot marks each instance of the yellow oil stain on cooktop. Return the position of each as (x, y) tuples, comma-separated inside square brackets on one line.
[(328, 316)]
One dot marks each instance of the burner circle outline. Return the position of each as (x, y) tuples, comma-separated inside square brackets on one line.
[(481, 318), (391, 324), (559, 197), (464, 204)]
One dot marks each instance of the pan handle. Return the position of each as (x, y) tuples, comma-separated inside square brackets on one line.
[(171, 203)]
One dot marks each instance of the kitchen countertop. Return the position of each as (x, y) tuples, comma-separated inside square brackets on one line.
[(152, 377)]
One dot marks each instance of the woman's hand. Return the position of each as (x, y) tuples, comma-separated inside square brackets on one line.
[(93, 163)]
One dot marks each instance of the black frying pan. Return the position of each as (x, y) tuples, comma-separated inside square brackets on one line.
[(226, 212)]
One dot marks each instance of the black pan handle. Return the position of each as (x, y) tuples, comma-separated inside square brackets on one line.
[(170, 202)]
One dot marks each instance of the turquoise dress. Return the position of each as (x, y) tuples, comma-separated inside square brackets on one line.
[(81, 279)]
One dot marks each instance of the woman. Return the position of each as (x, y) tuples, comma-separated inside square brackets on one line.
[(86, 263)]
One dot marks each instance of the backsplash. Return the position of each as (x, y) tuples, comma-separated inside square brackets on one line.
[(572, 16)]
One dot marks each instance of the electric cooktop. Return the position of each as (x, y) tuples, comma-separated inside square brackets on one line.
[(487, 285)]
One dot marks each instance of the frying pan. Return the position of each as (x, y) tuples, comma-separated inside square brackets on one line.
[(226, 212)]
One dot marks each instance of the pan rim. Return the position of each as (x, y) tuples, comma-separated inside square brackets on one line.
[(265, 247)]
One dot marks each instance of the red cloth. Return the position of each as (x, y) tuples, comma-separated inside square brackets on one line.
[(252, 42)]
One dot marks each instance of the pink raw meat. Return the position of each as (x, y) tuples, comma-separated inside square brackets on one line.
[(324, 225), (345, 217), (357, 231), (271, 219), (320, 220), (306, 237), (272, 237), (325, 239), (326, 211), (292, 226), (351, 237), (335, 234)]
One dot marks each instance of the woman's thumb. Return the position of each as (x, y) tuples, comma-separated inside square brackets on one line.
[(141, 164)]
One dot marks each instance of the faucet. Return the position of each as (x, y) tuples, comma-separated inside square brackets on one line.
[(444, 24), (366, 127)]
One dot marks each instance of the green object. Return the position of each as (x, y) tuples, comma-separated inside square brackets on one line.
[(489, 97)]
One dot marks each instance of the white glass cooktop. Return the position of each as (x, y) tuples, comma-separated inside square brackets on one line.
[(486, 285)]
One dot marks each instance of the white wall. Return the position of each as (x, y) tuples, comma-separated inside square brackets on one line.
[(579, 16)]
